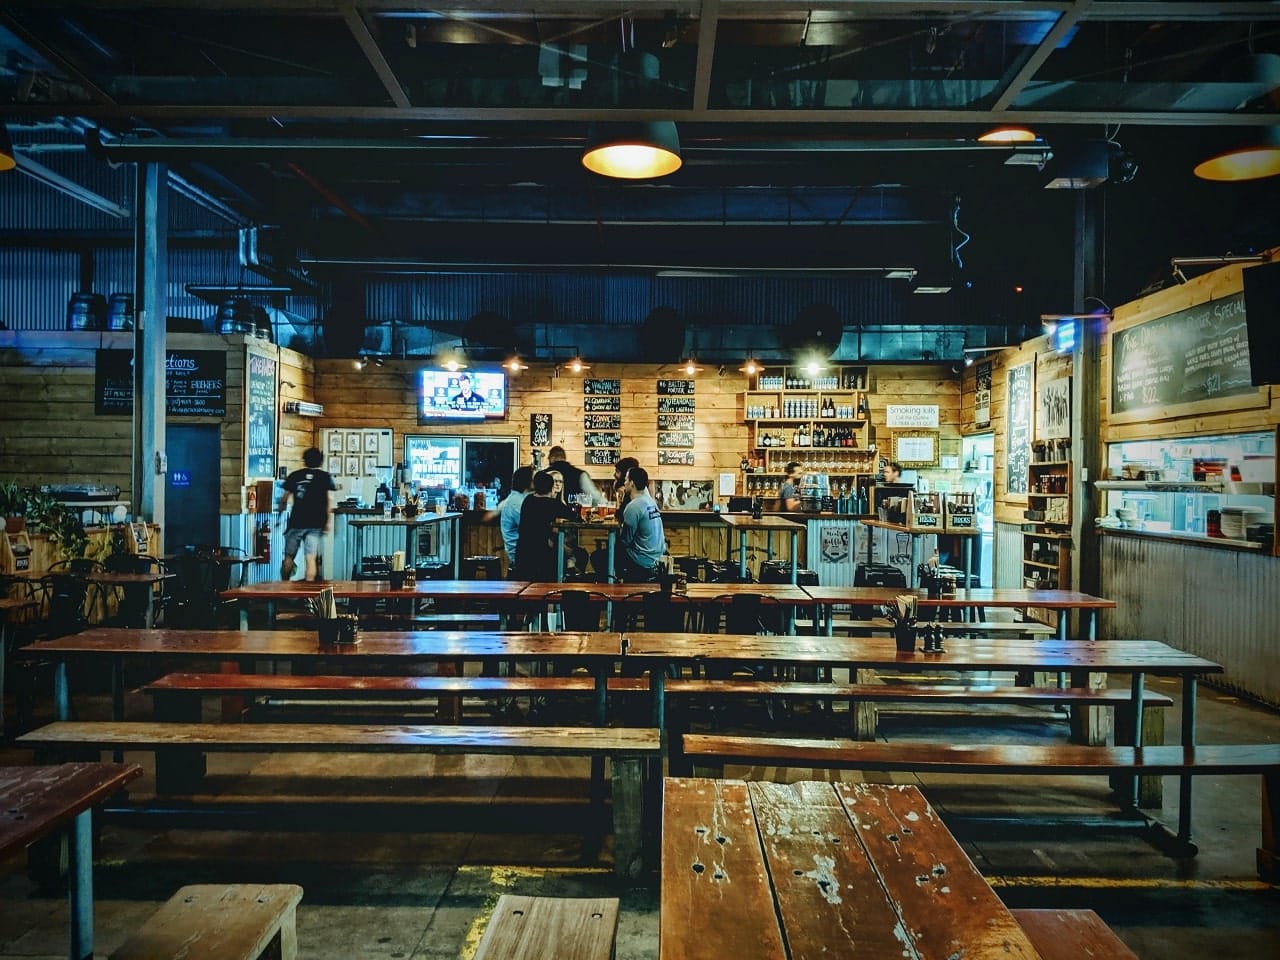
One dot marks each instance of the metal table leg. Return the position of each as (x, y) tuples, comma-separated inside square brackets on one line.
[(1136, 692), (61, 695), (1188, 740), (559, 556), (80, 894), (742, 555)]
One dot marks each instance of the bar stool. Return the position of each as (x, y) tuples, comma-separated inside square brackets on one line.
[(481, 567)]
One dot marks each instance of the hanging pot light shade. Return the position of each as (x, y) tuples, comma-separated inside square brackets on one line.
[(7, 160), (1257, 153), (633, 151), (1008, 135), (1256, 157)]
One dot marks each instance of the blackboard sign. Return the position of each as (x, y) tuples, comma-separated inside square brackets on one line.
[(259, 417), (675, 387), (1018, 428), (675, 458), (195, 383), (599, 457), (602, 438), (675, 421), (606, 387), (675, 405), (540, 429), (1195, 354), (673, 439), (602, 421), (602, 404)]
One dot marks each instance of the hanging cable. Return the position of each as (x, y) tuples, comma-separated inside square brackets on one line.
[(955, 225)]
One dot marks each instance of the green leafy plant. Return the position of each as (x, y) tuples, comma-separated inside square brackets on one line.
[(43, 512), (13, 500)]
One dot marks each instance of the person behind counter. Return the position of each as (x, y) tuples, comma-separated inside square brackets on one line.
[(642, 537), (536, 542), (311, 490), (576, 481), (892, 472), (789, 492)]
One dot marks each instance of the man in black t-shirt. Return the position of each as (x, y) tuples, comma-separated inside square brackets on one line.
[(311, 490), (536, 545)]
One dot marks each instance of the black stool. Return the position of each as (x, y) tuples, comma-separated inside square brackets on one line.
[(488, 565)]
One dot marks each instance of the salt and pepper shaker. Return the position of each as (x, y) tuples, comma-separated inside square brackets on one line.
[(933, 638)]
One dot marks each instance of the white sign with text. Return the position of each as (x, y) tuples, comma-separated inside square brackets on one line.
[(911, 415)]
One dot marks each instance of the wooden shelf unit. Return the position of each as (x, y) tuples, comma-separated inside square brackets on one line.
[(784, 403), (1046, 543)]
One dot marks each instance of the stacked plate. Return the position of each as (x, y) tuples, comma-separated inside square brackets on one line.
[(1235, 520)]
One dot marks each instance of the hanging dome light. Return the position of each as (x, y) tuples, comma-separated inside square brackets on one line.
[(633, 151), (690, 367), (750, 368), (7, 159), (1008, 135), (515, 366), (576, 365), (1257, 157)]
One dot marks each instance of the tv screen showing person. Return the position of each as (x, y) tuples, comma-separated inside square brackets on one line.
[(466, 398)]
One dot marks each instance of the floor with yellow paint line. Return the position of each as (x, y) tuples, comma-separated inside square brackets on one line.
[(374, 890)]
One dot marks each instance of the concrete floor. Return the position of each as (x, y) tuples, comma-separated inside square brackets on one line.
[(512, 829)]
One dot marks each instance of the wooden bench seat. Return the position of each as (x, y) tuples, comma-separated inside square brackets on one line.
[(711, 753), (220, 922), (534, 928), (1071, 934), (630, 750), (1030, 628)]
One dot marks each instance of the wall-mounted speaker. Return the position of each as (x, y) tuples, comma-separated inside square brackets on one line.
[(1262, 317)]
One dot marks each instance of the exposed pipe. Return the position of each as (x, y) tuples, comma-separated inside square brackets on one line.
[(55, 181), (331, 197)]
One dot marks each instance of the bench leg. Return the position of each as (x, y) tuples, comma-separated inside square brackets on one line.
[(284, 945), (80, 893), (1268, 853), (628, 816), (862, 714), (1150, 788), (180, 770)]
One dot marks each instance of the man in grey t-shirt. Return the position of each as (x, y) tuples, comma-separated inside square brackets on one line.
[(642, 537), (789, 492)]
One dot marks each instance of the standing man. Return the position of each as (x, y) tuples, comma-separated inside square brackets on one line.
[(789, 492), (311, 490), (576, 480), (892, 472), (509, 514), (642, 538), (536, 543)]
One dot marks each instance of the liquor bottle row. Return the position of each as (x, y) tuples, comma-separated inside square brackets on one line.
[(842, 381), (826, 409), (806, 436)]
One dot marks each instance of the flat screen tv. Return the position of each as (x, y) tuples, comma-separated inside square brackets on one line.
[(460, 396)]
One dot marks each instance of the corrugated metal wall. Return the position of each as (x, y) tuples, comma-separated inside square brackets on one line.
[(1006, 566), (1219, 604)]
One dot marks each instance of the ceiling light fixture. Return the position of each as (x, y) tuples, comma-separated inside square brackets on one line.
[(454, 361), (900, 273), (361, 363), (576, 365), (515, 366), (1255, 158), (1008, 135), (750, 368), (691, 367), (633, 151), (7, 159)]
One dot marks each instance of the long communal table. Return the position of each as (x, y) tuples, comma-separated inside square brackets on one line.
[(1078, 658), (272, 592), (769, 870), (37, 801), (1061, 602), (744, 522)]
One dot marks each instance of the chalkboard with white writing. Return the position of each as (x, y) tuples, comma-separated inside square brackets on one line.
[(1199, 353)]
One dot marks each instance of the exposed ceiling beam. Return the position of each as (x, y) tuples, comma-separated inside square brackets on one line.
[(177, 112), (707, 23), (373, 53), (1036, 60)]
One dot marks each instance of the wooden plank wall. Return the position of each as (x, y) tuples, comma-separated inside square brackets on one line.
[(50, 433), (385, 397)]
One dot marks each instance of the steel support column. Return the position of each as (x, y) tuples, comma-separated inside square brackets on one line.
[(150, 251)]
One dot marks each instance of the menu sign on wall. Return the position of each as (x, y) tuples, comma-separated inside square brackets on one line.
[(1196, 354), (195, 383), (259, 416), (1018, 428), (675, 458), (982, 394), (675, 387)]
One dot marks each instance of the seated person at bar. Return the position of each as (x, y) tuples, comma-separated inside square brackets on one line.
[(641, 538), (536, 543), (789, 492), (620, 496), (466, 398), (508, 514)]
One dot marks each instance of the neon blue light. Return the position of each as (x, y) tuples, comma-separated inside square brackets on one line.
[(1064, 336)]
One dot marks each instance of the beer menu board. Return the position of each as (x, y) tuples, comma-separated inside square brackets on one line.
[(601, 398), (677, 458), (675, 387), (195, 383), (259, 417), (1196, 354), (675, 422)]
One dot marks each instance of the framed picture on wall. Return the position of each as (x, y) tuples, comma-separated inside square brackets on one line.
[(1017, 437), (353, 467), (354, 442), (1053, 409), (916, 448)]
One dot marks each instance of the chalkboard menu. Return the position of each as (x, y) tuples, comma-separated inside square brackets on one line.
[(602, 421), (195, 383), (675, 387), (259, 416), (675, 458), (675, 404), (602, 438), (598, 404), (1018, 428), (600, 457), (599, 386), (1196, 354), (667, 438), (675, 421)]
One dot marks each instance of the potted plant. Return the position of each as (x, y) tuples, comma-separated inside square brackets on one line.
[(13, 507), (61, 522)]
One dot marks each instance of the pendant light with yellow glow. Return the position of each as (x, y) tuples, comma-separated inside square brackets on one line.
[(633, 151)]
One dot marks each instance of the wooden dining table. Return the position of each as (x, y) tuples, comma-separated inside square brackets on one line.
[(744, 522), (36, 801), (1061, 602), (272, 592), (772, 871)]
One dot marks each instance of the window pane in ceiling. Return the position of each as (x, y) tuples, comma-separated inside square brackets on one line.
[(833, 60), (206, 56), (526, 60), (1189, 65)]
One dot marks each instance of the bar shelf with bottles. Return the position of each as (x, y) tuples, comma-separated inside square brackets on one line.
[(789, 408)]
